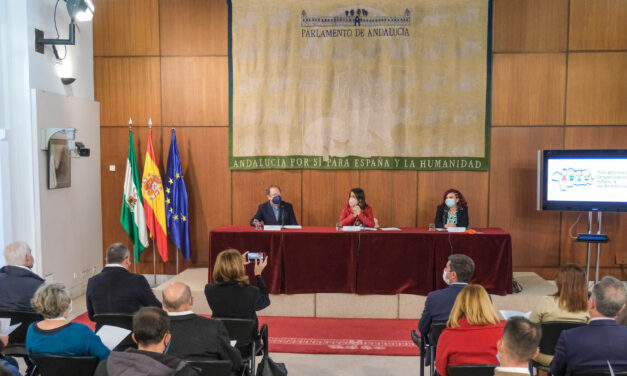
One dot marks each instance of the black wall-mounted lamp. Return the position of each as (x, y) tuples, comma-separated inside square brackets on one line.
[(79, 10)]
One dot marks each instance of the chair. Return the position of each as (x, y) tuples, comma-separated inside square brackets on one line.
[(472, 370), (599, 372), (242, 331), (212, 367), (17, 338), (551, 331), (436, 329), (61, 365), (121, 320)]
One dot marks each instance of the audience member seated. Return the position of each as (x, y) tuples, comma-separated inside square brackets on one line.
[(54, 334), (457, 274), (603, 341), (8, 365), (115, 289), (518, 346), (471, 333), (231, 295), (151, 332), (17, 281), (569, 303), (195, 337)]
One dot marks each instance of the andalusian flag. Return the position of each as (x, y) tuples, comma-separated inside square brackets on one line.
[(132, 218), (154, 200)]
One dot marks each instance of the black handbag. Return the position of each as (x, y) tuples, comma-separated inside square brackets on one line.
[(268, 367)]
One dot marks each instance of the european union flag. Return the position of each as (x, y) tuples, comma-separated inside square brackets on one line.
[(176, 200)]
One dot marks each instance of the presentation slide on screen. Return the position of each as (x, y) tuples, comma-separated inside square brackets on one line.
[(587, 180)]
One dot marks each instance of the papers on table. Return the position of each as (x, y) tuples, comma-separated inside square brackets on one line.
[(271, 228), (111, 336), (7, 328), (456, 229), (509, 314), (293, 227), (351, 228), (390, 229)]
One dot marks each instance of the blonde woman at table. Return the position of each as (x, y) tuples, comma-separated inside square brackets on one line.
[(357, 212), (453, 211), (569, 303)]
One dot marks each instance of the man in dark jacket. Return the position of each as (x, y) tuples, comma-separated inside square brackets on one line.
[(275, 211), (17, 281), (195, 337), (115, 289), (151, 332)]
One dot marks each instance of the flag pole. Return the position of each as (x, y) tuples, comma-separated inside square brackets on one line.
[(154, 246), (177, 260), (130, 130)]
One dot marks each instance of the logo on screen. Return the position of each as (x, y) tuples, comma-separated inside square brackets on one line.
[(569, 178)]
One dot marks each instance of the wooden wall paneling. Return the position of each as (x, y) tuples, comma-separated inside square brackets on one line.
[(530, 25), (249, 190), (325, 193), (114, 150), (392, 195), (613, 223), (204, 156), (126, 28), (535, 234), (598, 25), (473, 185), (128, 87), (597, 88), (194, 27), (528, 89), (195, 91)]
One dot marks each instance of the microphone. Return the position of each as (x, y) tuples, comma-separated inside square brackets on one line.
[(282, 210)]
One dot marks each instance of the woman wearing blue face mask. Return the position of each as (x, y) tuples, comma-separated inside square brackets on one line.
[(453, 211)]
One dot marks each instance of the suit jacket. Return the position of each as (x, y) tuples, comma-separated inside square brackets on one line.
[(196, 338), (441, 215), (17, 287), (116, 290), (265, 214), (366, 216), (438, 306), (467, 344), (232, 299), (591, 346)]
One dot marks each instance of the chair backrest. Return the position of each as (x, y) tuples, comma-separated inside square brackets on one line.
[(212, 367), (599, 372), (26, 318), (121, 320), (472, 370), (240, 330), (60, 365), (436, 329), (551, 331)]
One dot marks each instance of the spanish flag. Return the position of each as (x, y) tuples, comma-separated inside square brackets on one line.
[(154, 200)]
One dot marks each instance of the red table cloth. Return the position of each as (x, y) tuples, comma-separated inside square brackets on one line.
[(410, 261)]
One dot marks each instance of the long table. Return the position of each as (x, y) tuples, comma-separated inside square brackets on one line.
[(410, 261)]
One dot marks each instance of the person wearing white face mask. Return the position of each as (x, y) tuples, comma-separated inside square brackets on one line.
[(55, 334), (357, 212), (457, 273), (453, 211)]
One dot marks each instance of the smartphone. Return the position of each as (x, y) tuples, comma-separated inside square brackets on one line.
[(255, 256)]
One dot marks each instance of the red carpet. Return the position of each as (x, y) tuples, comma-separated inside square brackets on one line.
[(308, 335)]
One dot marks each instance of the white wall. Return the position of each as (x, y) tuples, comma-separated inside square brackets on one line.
[(26, 204)]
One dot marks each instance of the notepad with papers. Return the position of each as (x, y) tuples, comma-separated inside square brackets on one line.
[(111, 336), (6, 327)]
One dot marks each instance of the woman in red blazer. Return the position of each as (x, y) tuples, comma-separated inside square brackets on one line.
[(471, 333), (357, 212)]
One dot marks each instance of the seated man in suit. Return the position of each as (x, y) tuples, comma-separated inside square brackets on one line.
[(18, 283), (275, 211), (195, 337), (601, 342), (458, 271), (518, 346), (151, 331), (115, 289)]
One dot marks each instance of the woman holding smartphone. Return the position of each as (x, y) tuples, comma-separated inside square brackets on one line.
[(357, 212)]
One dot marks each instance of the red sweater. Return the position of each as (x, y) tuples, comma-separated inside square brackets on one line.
[(467, 344), (366, 217)]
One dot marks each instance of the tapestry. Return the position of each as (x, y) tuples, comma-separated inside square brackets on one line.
[(385, 84)]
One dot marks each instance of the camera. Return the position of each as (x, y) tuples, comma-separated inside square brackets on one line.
[(81, 150)]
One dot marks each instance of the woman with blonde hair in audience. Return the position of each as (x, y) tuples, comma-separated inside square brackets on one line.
[(55, 334), (471, 333), (569, 303)]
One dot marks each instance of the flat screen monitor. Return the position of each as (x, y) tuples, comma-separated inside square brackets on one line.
[(584, 180)]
